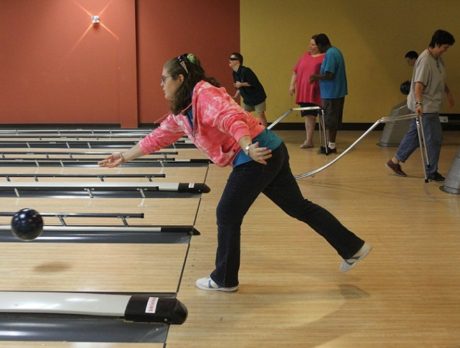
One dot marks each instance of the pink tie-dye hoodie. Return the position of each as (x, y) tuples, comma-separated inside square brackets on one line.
[(218, 124)]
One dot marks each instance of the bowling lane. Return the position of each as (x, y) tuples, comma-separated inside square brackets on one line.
[(11, 344), (94, 153), (131, 268), (100, 267), (172, 174), (157, 211)]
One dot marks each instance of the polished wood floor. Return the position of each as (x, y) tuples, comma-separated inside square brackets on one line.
[(405, 294)]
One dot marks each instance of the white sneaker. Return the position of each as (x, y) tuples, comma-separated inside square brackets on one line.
[(348, 264), (208, 284)]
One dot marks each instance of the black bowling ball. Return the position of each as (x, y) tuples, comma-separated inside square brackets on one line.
[(405, 87), (27, 224)]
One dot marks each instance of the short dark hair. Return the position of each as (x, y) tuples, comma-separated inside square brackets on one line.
[(411, 55), (322, 41), (441, 37), (238, 57)]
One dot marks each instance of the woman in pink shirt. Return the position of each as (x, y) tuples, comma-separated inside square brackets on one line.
[(218, 126), (307, 93)]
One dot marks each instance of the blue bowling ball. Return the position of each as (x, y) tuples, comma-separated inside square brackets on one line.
[(27, 224)]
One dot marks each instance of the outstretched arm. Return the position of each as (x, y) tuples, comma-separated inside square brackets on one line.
[(167, 133), (117, 158)]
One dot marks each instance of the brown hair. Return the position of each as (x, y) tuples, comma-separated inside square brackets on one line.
[(190, 67)]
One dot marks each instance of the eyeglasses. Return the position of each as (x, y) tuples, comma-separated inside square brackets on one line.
[(233, 58), (181, 59), (164, 78)]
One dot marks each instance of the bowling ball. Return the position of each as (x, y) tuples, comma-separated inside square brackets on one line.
[(405, 87), (27, 224)]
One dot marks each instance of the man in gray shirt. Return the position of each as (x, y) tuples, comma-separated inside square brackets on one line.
[(425, 98)]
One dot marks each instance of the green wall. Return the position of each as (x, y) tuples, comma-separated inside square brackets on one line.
[(373, 36)]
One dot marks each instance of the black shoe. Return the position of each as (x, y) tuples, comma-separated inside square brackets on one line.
[(396, 168), (436, 177), (322, 150)]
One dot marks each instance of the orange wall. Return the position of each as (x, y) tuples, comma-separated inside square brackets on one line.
[(57, 68), (208, 28)]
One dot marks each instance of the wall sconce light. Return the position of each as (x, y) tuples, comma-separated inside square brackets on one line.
[(95, 20)]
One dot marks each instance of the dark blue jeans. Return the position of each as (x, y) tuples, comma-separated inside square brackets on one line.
[(432, 130), (276, 181)]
